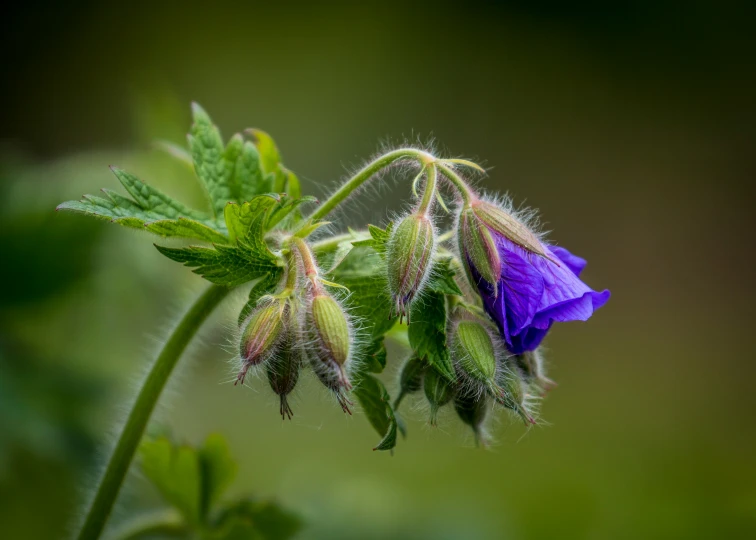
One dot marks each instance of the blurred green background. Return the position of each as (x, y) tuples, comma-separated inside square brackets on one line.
[(631, 125)]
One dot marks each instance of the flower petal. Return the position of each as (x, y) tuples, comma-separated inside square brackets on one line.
[(573, 262)]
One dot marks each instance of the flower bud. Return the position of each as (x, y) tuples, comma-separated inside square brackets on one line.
[(283, 372), (438, 392), (504, 223), (408, 255), (473, 351), (533, 366), (515, 396), (472, 410), (477, 248), (411, 378), (331, 343), (261, 335)]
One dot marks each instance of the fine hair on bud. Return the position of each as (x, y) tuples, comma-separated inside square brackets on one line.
[(438, 391), (533, 367), (283, 369), (409, 256), (477, 351), (330, 344), (473, 412), (262, 335), (516, 396)]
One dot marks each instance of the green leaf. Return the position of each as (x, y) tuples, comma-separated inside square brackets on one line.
[(379, 238), (224, 265), (442, 278), (376, 403), (269, 155), (249, 179), (284, 209), (185, 228), (256, 520), (266, 285), (292, 187), (375, 356), (218, 470), (176, 473), (246, 221), (178, 152), (149, 209), (212, 163), (427, 332)]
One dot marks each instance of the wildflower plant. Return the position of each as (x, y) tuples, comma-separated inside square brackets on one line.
[(476, 301)]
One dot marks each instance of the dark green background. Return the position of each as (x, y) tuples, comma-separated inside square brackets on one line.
[(631, 125)]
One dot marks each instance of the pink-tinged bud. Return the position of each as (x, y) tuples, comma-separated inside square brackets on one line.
[(502, 222), (477, 248), (261, 335), (331, 342), (283, 372), (408, 257)]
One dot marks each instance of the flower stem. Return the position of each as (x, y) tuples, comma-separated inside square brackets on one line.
[(153, 385), (430, 190), (464, 190), (364, 174)]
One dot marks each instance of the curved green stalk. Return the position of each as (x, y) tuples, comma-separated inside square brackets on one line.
[(127, 444), (364, 174)]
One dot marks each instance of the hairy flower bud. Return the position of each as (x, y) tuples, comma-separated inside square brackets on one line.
[(472, 410), (283, 372), (408, 256), (411, 378), (261, 335), (515, 394), (534, 369), (331, 343), (438, 392), (502, 222), (477, 247), (473, 351)]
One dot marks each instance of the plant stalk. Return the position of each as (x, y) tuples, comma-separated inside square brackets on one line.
[(128, 442)]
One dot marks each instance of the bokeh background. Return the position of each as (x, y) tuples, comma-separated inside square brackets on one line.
[(630, 125)]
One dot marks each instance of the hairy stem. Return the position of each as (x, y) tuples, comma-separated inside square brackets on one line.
[(153, 385), (461, 185), (364, 174), (430, 190)]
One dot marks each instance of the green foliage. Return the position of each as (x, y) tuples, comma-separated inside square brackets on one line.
[(376, 404), (427, 332), (194, 480)]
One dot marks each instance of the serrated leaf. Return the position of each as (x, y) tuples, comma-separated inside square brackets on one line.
[(427, 332), (375, 356), (376, 404), (175, 151), (212, 164), (364, 274), (378, 238), (249, 178), (246, 222), (256, 520), (291, 187), (218, 471), (224, 265), (176, 473), (147, 206), (185, 228), (266, 285), (266, 146), (285, 207), (442, 278)]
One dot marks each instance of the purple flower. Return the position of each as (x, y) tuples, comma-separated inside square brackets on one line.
[(533, 285)]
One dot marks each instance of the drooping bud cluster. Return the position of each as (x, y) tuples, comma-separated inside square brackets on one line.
[(409, 256), (302, 324)]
